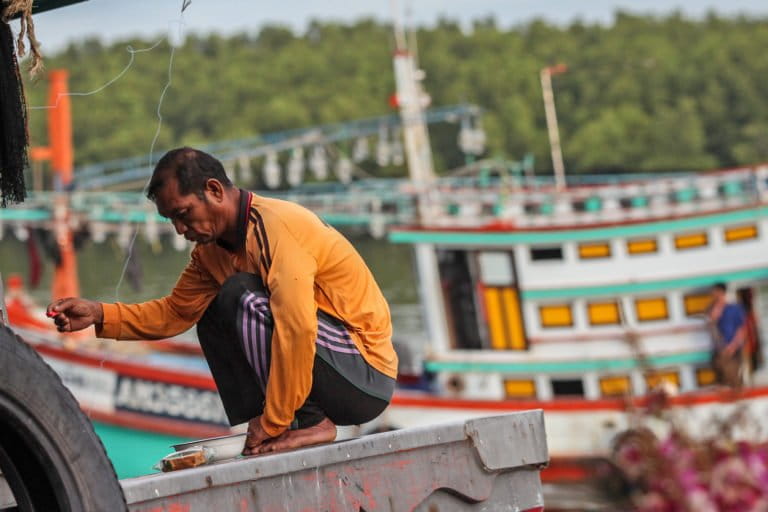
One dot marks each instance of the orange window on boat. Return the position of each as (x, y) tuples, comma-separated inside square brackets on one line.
[(642, 246), (740, 233), (617, 385), (594, 250), (696, 303), (501, 300), (603, 313), (520, 388), (691, 240), (651, 309), (556, 315), (705, 376), (502, 307), (654, 379)]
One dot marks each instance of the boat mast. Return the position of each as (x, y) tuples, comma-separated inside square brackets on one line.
[(60, 154), (411, 100), (552, 129)]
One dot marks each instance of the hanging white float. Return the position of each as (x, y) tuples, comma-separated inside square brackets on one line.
[(229, 170), (465, 136), (124, 235), (271, 171), (478, 138), (246, 172), (398, 156), (21, 232), (295, 171), (151, 230), (360, 150), (377, 225), (471, 137), (344, 169), (318, 163), (98, 232), (383, 152)]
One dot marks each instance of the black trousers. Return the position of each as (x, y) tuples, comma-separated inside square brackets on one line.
[(235, 334)]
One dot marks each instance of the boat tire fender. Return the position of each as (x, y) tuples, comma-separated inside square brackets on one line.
[(50, 456)]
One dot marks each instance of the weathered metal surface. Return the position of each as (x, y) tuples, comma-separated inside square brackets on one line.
[(443, 468), (502, 444)]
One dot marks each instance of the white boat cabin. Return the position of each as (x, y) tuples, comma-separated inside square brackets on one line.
[(525, 301)]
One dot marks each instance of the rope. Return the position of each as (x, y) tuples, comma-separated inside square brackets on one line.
[(184, 5), (27, 28)]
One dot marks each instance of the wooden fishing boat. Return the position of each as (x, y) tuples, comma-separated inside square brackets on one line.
[(581, 301)]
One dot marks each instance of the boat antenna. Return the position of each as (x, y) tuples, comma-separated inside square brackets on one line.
[(397, 22), (554, 134), (412, 42)]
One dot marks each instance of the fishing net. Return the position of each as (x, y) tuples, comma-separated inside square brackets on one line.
[(14, 136)]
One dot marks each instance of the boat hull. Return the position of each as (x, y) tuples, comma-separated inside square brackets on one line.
[(585, 429)]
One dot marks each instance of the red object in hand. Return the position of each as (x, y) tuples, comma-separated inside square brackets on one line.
[(50, 314)]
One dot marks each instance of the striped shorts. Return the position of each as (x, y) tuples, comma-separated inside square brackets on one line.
[(235, 334)]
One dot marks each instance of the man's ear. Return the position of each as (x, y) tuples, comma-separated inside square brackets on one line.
[(214, 189)]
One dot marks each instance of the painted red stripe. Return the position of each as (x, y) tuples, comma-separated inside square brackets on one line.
[(540, 340), (139, 371), (167, 426), (404, 399), (499, 226), (569, 470)]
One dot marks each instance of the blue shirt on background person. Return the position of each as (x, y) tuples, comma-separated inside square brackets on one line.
[(730, 321)]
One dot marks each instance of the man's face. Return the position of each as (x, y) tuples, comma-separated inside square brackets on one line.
[(717, 294), (192, 217)]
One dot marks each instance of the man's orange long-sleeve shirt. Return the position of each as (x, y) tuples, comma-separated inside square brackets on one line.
[(305, 265)]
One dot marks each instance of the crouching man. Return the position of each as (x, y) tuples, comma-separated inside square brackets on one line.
[(295, 329)]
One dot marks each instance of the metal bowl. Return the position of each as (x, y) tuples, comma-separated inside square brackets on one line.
[(221, 448)]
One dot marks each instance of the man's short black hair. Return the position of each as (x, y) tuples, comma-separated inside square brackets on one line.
[(192, 169), (720, 286)]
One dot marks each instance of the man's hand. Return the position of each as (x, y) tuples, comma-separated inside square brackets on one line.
[(730, 350), (255, 437), (73, 314)]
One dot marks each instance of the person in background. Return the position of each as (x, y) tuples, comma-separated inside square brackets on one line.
[(728, 326), (296, 332)]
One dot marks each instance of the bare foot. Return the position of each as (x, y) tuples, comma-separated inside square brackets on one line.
[(323, 432)]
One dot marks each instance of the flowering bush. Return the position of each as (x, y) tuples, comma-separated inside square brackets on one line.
[(680, 474)]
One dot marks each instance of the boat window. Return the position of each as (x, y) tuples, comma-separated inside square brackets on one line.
[(617, 385), (546, 253), (556, 315), (603, 313), (520, 388), (691, 240), (495, 268), (654, 379), (642, 246), (567, 387), (594, 250), (651, 309), (633, 202), (739, 233), (705, 377), (589, 204), (696, 303), (505, 321)]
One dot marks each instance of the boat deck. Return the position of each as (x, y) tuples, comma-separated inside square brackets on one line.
[(482, 464)]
